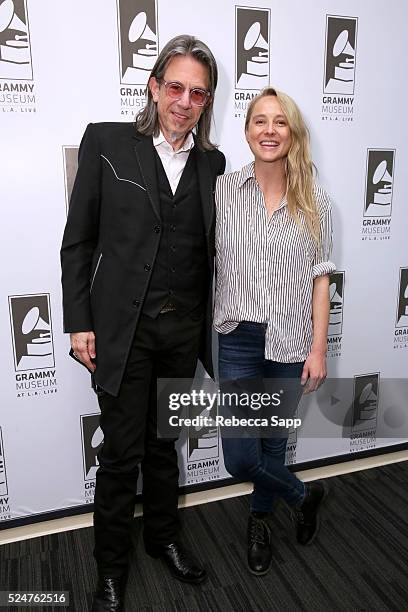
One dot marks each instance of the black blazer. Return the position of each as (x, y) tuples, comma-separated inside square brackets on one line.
[(112, 237)]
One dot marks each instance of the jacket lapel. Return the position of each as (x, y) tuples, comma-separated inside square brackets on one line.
[(145, 156), (206, 188)]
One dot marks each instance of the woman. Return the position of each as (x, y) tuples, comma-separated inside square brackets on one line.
[(273, 241)]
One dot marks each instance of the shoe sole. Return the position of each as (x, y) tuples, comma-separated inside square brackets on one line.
[(318, 521), (198, 581)]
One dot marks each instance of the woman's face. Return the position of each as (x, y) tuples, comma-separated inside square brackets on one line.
[(268, 133)]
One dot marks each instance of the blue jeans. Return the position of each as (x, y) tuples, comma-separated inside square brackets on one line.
[(258, 460)]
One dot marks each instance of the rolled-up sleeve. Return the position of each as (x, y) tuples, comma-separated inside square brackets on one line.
[(322, 263)]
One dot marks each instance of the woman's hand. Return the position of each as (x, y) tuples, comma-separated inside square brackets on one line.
[(314, 371)]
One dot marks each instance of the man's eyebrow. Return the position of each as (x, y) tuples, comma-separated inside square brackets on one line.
[(203, 87)]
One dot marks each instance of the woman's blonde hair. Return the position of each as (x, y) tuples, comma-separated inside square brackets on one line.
[(299, 165)]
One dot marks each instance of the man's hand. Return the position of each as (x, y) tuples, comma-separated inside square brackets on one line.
[(83, 345), (314, 371)]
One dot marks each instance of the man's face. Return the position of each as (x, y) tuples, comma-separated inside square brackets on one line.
[(178, 117)]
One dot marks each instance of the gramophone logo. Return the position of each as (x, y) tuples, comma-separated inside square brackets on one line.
[(3, 475), (202, 441), (138, 40), (31, 331), (336, 292), (70, 157), (365, 402), (379, 182), (252, 34), (402, 307), (340, 56), (15, 53), (92, 440)]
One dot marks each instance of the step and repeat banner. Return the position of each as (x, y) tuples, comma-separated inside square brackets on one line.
[(65, 64)]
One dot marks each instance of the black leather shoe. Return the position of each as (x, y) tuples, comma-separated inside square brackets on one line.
[(179, 561), (259, 544), (109, 595), (306, 516)]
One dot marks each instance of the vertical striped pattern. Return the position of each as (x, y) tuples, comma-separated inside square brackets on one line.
[(265, 268)]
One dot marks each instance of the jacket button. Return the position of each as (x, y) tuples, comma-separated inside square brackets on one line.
[(147, 267), (157, 229), (136, 303), (173, 228)]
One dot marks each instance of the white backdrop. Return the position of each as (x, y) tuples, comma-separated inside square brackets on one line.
[(65, 64)]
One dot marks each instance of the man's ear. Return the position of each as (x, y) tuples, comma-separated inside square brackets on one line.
[(154, 88)]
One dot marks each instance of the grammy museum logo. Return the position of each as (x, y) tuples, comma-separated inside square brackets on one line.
[(252, 55), (376, 223), (339, 68), (364, 412), (92, 440), (138, 51), (203, 450), (16, 70), (335, 331), (291, 445), (5, 512), (401, 321), (33, 345)]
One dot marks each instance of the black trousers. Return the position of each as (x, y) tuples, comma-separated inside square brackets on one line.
[(164, 347)]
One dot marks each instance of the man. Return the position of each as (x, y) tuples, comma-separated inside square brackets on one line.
[(137, 265)]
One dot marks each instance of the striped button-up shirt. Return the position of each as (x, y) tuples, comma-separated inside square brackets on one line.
[(266, 267)]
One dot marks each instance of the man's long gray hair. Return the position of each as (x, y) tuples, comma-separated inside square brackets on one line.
[(147, 121)]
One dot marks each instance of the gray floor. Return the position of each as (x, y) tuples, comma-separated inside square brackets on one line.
[(359, 562)]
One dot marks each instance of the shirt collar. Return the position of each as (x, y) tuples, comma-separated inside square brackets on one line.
[(248, 172), (187, 145)]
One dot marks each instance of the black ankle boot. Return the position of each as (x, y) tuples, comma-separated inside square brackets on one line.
[(180, 562), (110, 594), (306, 516), (259, 543)]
